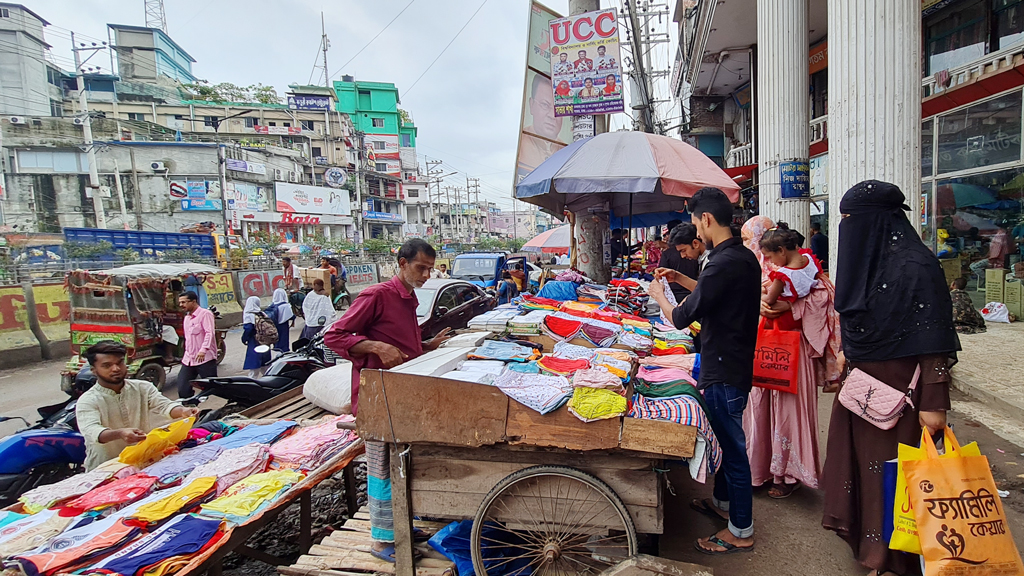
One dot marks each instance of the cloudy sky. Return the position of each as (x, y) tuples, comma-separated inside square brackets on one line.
[(467, 106)]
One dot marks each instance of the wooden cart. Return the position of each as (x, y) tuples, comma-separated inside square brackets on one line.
[(543, 490)]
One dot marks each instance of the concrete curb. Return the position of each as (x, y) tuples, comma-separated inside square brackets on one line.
[(987, 397)]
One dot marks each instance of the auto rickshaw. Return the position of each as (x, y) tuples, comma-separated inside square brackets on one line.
[(137, 306)]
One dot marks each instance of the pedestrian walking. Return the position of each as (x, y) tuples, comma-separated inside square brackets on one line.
[(280, 311), (317, 310), (896, 315), (292, 279), (200, 359), (254, 361)]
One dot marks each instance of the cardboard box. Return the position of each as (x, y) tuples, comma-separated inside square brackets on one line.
[(952, 268), (994, 284), (310, 274), (1012, 296)]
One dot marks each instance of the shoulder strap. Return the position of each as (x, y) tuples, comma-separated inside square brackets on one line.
[(917, 376)]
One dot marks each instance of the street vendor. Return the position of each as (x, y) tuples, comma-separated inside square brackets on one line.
[(117, 412), (380, 330)]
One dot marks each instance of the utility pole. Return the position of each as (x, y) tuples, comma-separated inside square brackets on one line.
[(473, 187), (90, 147), (325, 44), (432, 172), (120, 196), (138, 190)]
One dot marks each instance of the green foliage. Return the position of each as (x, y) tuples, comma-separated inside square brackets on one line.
[(182, 255), (228, 92), (262, 239), (238, 257), (127, 255), (514, 244), (404, 115), (86, 250), (378, 245), (490, 244)]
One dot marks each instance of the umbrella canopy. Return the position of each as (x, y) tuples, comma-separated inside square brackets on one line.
[(554, 241), (656, 172), (957, 195)]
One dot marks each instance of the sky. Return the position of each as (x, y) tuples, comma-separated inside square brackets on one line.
[(466, 106)]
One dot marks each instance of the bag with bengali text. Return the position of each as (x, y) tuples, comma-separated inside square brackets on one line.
[(777, 358), (960, 518)]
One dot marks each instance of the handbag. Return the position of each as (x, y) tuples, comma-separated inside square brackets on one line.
[(777, 358), (874, 400)]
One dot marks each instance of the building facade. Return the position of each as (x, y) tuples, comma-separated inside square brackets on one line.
[(30, 81)]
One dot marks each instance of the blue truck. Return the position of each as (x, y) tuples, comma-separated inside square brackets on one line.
[(484, 268), (214, 246)]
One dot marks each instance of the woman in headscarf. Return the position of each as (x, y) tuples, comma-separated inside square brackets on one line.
[(896, 315), (782, 428), (280, 311), (254, 361), (317, 310)]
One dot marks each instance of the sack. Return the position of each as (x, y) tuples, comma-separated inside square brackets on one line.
[(331, 388), (777, 359), (996, 312), (158, 441), (874, 400), (904, 527), (265, 331), (960, 518)]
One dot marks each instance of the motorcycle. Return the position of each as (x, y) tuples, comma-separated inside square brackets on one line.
[(287, 371), (46, 452)]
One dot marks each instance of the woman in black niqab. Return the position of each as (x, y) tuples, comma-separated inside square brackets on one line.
[(895, 314)]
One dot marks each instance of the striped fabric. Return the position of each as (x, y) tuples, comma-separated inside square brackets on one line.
[(378, 491), (684, 410)]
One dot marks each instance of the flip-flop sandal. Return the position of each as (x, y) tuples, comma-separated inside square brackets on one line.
[(419, 535), (706, 508), (388, 554), (785, 492), (729, 548)]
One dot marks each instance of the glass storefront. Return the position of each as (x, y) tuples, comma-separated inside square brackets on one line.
[(980, 135)]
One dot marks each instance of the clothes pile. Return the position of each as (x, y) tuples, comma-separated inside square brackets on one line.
[(626, 296), (528, 302), (311, 446), (504, 351), (174, 467), (479, 371), (185, 535), (253, 494), (527, 324), (556, 366), (687, 410), (592, 404), (116, 493), (493, 320), (234, 464), (537, 391)]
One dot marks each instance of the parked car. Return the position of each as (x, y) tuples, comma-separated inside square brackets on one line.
[(449, 304)]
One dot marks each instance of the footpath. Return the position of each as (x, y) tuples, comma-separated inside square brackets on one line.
[(991, 367)]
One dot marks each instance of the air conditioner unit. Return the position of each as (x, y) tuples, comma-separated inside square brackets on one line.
[(278, 175), (78, 121), (293, 177), (17, 120), (157, 167)]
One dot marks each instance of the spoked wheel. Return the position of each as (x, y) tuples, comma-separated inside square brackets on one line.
[(551, 520)]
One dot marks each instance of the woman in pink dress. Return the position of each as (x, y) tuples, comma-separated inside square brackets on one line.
[(782, 428)]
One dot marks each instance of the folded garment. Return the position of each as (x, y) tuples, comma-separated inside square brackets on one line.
[(623, 355), (598, 335), (178, 465), (311, 446), (577, 306), (251, 495), (488, 366), (30, 533), (76, 546), (538, 303), (572, 351), (635, 341), (45, 496), (504, 351), (561, 329), (185, 534), (233, 465), (537, 391), (598, 377), (679, 350), (590, 404), (6, 517), (570, 275), (657, 374), (117, 493), (684, 410), (475, 377), (682, 362), (562, 366), (529, 323), (524, 367), (258, 433), (607, 316), (669, 389), (182, 498)]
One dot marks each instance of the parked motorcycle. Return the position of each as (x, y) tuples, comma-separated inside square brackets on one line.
[(287, 371), (47, 452)]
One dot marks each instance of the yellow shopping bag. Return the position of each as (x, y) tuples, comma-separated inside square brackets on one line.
[(904, 532), (960, 518), (156, 443)]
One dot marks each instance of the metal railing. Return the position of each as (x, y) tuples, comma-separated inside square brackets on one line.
[(931, 85), (819, 129), (740, 156)]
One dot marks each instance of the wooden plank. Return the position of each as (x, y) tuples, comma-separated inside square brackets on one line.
[(362, 561), (559, 429), (644, 565), (534, 455), (422, 409), (647, 519), (400, 506), (658, 437), (639, 487), (259, 410)]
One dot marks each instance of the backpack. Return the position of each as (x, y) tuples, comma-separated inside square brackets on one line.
[(264, 330)]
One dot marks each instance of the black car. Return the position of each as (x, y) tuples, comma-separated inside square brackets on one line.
[(449, 304)]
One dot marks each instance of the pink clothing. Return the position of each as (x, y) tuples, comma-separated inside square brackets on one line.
[(998, 248), (199, 337)]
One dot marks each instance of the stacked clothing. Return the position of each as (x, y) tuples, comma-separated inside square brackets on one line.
[(253, 494), (591, 294), (636, 341), (578, 309), (560, 328), (256, 433), (311, 446), (572, 351), (626, 296), (183, 498), (31, 532), (494, 320), (684, 410), (75, 546), (592, 404), (612, 364), (117, 493), (529, 302), (183, 535), (660, 374), (178, 465), (561, 366), (685, 362), (524, 367), (233, 465), (671, 341), (504, 351), (536, 391), (528, 324), (479, 371), (598, 377)]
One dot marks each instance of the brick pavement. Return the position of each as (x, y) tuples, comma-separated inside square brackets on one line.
[(991, 367)]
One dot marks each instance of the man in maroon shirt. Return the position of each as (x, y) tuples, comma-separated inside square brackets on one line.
[(381, 330)]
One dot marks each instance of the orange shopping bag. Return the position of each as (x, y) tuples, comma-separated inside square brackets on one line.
[(777, 358), (960, 518)]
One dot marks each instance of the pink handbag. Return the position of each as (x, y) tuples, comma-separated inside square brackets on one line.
[(874, 400)]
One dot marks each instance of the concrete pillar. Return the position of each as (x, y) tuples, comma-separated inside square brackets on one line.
[(874, 106), (783, 134)]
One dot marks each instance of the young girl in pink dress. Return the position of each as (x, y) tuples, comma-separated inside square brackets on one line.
[(797, 272)]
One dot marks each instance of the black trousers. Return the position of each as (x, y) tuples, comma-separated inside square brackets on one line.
[(187, 374)]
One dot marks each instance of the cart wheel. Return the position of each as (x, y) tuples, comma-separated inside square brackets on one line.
[(153, 372), (551, 519), (222, 351)]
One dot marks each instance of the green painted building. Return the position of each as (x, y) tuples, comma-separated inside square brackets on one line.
[(373, 107)]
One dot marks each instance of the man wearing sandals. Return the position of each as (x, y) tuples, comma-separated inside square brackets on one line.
[(727, 302), (380, 331)]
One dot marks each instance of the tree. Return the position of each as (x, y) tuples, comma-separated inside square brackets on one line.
[(228, 92), (514, 244), (489, 244), (404, 115)]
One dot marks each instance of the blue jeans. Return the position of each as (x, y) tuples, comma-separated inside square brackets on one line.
[(733, 491)]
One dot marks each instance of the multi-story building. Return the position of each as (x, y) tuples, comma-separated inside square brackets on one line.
[(30, 82)]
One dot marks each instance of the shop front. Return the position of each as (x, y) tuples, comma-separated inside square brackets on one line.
[(288, 227)]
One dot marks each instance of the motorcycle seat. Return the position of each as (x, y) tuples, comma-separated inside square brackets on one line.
[(275, 382)]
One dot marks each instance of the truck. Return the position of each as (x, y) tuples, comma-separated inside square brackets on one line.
[(214, 246), (484, 268)]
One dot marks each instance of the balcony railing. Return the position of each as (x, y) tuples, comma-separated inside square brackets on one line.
[(1005, 58), (740, 156), (819, 129)]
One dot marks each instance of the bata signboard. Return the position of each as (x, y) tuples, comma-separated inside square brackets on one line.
[(586, 67), (298, 198)]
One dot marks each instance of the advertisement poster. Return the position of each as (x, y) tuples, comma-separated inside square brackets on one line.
[(586, 67), (309, 102), (202, 204), (245, 196), (311, 199)]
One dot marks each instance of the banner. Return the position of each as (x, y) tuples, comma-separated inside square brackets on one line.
[(279, 130), (382, 216), (586, 69), (243, 166), (311, 199), (246, 196), (202, 204), (307, 102), (795, 179)]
